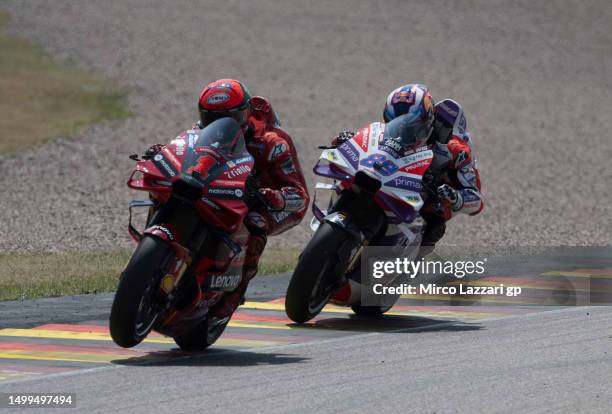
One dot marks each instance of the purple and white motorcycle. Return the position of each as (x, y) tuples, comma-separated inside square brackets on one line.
[(376, 195)]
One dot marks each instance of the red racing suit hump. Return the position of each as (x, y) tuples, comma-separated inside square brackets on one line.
[(277, 170)]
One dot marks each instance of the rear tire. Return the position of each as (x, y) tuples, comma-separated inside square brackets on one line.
[(133, 313), (200, 337), (311, 286), (369, 311)]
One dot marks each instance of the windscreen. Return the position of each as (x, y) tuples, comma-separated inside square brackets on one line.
[(404, 132), (222, 140)]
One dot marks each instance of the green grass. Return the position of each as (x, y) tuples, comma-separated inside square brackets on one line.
[(42, 274), (41, 100)]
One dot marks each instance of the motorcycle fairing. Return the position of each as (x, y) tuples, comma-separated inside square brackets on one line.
[(401, 177), (210, 164)]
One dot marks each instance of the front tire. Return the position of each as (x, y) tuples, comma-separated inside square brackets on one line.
[(312, 284), (135, 308)]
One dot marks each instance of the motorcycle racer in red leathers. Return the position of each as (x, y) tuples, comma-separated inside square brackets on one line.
[(277, 177), (454, 170)]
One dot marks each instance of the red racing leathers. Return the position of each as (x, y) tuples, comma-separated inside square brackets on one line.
[(279, 179), (277, 172)]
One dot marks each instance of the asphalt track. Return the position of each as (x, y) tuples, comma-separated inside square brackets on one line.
[(417, 359)]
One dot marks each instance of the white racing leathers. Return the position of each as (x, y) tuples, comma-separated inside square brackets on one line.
[(454, 157)]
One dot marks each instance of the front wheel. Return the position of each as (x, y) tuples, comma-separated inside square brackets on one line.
[(313, 282), (137, 306)]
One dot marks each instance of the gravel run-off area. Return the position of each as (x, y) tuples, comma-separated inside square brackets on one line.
[(534, 79)]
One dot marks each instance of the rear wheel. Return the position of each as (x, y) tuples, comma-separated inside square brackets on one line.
[(137, 305), (314, 279), (370, 311), (201, 337)]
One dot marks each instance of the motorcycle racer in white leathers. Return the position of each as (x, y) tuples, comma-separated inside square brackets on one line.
[(454, 171)]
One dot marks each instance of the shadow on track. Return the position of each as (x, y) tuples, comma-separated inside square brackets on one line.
[(387, 323), (212, 357)]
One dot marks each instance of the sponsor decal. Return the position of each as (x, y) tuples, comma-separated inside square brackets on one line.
[(171, 157), (237, 172), (180, 147), (389, 150), (415, 150), (287, 167), (210, 203), (192, 139), (257, 220), (468, 173), (159, 160), (218, 98), (294, 205), (405, 183), (277, 150), (363, 138), (242, 160), (349, 153), (225, 281), (462, 125), (415, 166), (164, 230), (470, 197), (228, 183), (224, 192), (461, 159), (279, 216), (293, 201), (393, 143), (330, 155)]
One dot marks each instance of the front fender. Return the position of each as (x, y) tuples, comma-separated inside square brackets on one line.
[(342, 220), (161, 231)]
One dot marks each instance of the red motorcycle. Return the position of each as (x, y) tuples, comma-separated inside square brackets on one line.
[(192, 250)]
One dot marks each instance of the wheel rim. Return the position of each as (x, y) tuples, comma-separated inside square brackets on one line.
[(321, 293), (148, 312)]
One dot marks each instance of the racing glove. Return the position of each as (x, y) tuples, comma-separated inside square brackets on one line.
[(446, 192), (154, 149), (342, 137), (273, 199)]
